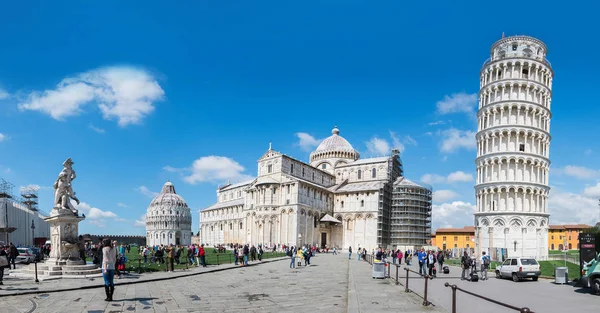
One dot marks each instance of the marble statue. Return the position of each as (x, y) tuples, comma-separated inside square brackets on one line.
[(63, 188)]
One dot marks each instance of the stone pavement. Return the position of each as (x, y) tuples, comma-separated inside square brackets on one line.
[(331, 284)]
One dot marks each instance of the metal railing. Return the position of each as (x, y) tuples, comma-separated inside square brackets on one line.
[(508, 306), (426, 278)]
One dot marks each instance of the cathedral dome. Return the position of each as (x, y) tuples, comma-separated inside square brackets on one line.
[(334, 149), (168, 219)]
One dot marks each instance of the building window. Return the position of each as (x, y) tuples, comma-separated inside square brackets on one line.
[(240, 225), (552, 239), (467, 238), (221, 227), (560, 237), (455, 246), (468, 246), (342, 204), (362, 203), (444, 238), (288, 189), (525, 73), (569, 237), (522, 147), (163, 236), (514, 47), (348, 225), (230, 226), (324, 166), (274, 190), (359, 174), (552, 246), (570, 246), (287, 201), (455, 238), (171, 236), (303, 172), (292, 168), (156, 236), (313, 176), (270, 168), (374, 173)]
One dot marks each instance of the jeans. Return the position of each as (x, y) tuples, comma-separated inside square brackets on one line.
[(1, 273), (358, 256), (235, 258), (145, 259), (191, 259), (465, 273), (293, 262), (109, 277), (393, 260), (484, 272), (423, 267), (245, 259), (203, 260), (349, 255)]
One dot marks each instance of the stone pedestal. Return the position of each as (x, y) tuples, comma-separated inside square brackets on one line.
[(64, 236)]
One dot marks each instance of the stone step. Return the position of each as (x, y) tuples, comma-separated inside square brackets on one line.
[(82, 276), (81, 271), (79, 267)]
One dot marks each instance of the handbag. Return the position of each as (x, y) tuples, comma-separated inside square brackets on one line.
[(3, 261)]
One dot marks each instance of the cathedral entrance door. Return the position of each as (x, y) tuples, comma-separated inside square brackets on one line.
[(177, 238), (323, 240)]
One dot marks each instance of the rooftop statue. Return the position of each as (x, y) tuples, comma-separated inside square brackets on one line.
[(63, 189)]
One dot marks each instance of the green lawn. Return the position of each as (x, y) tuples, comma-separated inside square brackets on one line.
[(559, 252), (547, 268), (135, 261)]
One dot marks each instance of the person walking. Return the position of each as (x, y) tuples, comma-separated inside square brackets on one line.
[(350, 253), (485, 265), (202, 254), (170, 256), (12, 255), (399, 256), (109, 259), (440, 260), (465, 263), (431, 262), (422, 262), (6, 263), (292, 254)]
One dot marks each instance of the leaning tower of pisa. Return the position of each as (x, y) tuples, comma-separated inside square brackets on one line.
[(513, 149)]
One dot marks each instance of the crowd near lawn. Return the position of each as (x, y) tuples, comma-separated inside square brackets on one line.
[(135, 260), (547, 267)]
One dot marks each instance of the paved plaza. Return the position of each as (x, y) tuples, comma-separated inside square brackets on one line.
[(331, 284)]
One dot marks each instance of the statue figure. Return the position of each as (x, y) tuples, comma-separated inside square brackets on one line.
[(63, 189)]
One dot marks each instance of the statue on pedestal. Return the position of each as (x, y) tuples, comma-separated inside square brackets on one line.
[(63, 189)]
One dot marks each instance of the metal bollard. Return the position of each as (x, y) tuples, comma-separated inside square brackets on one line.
[(425, 302), (36, 277), (453, 297), (397, 282), (217, 259), (406, 287), (139, 266)]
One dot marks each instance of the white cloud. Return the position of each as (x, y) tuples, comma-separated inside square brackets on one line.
[(572, 208), (444, 195), (122, 205), (432, 179), (454, 177), (96, 129), (450, 209), (436, 123), (592, 191), (146, 192), (409, 140), (213, 169), (307, 142), (457, 103), (172, 169), (3, 137), (123, 93), (579, 172), (378, 146), (454, 139), (4, 94), (95, 215), (141, 222), (459, 176)]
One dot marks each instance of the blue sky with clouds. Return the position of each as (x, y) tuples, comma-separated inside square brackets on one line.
[(138, 93)]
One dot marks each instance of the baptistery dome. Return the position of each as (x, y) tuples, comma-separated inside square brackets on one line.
[(333, 151), (168, 219)]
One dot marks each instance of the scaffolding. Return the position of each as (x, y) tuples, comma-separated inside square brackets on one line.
[(6, 194), (29, 196)]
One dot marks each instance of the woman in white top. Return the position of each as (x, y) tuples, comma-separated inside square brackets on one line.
[(109, 258)]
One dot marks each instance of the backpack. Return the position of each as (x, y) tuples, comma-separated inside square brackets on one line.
[(486, 261), (289, 253)]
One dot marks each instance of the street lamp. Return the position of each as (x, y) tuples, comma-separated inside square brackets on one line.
[(33, 232)]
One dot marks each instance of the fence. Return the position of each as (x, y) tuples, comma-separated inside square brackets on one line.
[(426, 278), (508, 306)]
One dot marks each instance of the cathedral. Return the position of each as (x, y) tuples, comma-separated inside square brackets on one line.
[(336, 200)]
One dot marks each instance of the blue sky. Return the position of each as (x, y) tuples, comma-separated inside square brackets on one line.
[(138, 93)]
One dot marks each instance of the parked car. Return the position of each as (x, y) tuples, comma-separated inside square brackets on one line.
[(519, 268), (26, 255), (590, 275)]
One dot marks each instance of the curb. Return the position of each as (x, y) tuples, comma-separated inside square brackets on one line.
[(139, 282)]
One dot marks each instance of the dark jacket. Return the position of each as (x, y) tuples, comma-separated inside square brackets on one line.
[(13, 252), (3, 253)]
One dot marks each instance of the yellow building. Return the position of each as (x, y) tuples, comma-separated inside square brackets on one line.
[(449, 238), (559, 237), (565, 236)]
